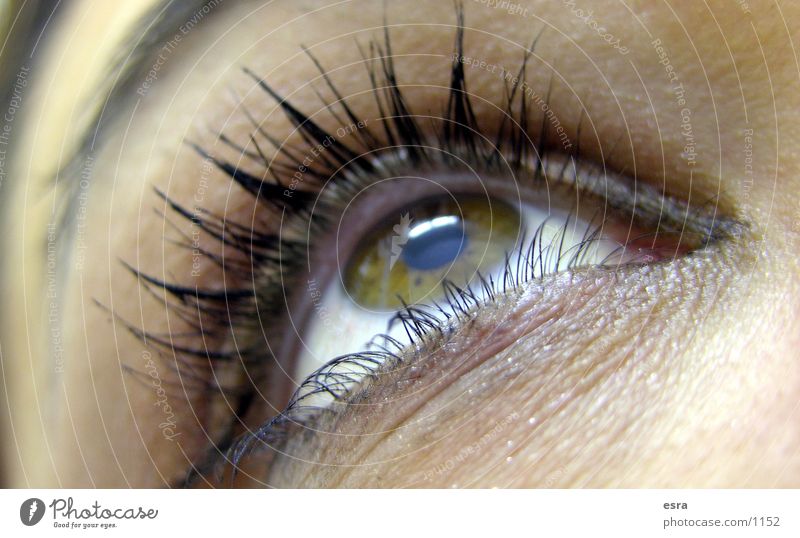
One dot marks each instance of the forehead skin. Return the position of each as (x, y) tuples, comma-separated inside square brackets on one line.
[(727, 394)]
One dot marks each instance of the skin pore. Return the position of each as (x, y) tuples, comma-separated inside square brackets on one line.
[(685, 373)]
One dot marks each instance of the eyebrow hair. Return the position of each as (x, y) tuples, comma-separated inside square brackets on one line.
[(162, 26)]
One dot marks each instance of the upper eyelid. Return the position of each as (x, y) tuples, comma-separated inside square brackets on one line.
[(710, 216), (693, 217)]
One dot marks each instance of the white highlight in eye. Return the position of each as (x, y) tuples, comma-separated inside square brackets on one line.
[(425, 227)]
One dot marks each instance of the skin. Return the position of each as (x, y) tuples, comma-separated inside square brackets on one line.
[(681, 374)]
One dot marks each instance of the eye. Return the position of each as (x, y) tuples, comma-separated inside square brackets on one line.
[(414, 252)]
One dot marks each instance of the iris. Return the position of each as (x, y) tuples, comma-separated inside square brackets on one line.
[(407, 258)]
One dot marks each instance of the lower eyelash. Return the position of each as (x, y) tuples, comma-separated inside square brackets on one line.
[(458, 143)]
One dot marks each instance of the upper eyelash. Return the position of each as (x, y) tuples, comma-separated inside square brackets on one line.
[(510, 148), (269, 249)]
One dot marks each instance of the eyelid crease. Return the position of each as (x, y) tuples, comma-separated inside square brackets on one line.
[(646, 204)]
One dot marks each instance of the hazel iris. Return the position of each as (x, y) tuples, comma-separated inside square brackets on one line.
[(406, 258)]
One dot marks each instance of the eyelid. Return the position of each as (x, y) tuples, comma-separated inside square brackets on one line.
[(644, 205)]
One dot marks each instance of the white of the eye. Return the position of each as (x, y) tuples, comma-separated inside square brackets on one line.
[(337, 325)]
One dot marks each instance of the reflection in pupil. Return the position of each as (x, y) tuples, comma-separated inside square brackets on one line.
[(434, 243)]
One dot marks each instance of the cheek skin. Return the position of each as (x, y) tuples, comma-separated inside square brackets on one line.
[(592, 380)]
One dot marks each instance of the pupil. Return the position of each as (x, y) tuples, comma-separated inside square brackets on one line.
[(434, 243)]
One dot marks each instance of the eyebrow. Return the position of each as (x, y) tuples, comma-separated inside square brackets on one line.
[(159, 30)]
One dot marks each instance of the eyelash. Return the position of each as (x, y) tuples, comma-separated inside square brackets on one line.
[(225, 312)]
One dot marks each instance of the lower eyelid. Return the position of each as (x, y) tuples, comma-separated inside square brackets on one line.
[(399, 394), (399, 381)]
